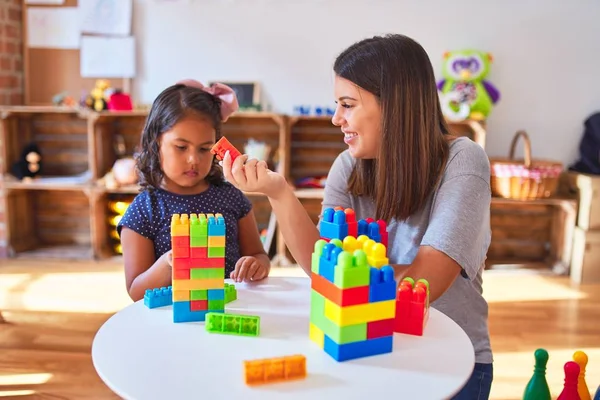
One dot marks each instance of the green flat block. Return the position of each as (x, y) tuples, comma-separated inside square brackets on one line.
[(339, 334), (201, 294), (198, 226), (199, 241), (207, 273), (214, 305), (233, 324), (352, 270), (230, 293), (216, 252)]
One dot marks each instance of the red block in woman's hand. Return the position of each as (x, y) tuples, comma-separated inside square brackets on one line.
[(221, 147)]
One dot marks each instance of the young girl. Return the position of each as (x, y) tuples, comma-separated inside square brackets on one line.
[(401, 166), (180, 175)]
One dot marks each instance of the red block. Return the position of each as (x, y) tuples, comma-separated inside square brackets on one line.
[(221, 147), (180, 241), (208, 262), (198, 305), (181, 263), (341, 297), (352, 223), (181, 252), (383, 232), (412, 309), (377, 329), (198, 252), (181, 273)]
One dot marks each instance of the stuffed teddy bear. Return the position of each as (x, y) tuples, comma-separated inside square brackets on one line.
[(29, 165), (464, 90)]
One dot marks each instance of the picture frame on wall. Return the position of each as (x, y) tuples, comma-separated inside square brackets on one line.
[(248, 94)]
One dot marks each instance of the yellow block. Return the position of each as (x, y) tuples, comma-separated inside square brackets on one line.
[(180, 225), (361, 313), (181, 295), (198, 284), (216, 241), (316, 335)]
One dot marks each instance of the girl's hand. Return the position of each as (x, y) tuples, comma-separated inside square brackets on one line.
[(252, 176), (248, 269), (168, 259)]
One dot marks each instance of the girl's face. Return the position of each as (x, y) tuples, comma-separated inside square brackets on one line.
[(185, 156), (358, 113)]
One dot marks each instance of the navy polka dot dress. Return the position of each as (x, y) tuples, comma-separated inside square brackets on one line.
[(150, 215)]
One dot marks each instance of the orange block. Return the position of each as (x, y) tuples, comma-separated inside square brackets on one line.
[(341, 297), (271, 370)]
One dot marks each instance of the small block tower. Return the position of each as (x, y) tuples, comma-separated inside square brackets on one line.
[(412, 307), (198, 284), (353, 291)]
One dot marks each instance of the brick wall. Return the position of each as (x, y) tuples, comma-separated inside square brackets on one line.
[(11, 52)]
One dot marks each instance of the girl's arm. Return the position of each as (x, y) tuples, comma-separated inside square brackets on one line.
[(142, 271), (250, 246)]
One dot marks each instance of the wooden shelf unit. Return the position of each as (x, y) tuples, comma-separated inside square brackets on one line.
[(55, 217)]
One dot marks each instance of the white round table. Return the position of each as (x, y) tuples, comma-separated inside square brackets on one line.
[(141, 353)]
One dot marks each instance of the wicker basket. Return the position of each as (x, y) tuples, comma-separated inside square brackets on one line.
[(524, 179)]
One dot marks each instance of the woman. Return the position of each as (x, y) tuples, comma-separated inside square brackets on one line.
[(402, 166)]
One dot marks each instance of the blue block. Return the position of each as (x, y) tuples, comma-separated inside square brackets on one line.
[(362, 228), (216, 226), (158, 297), (333, 224), (216, 294), (328, 261), (374, 232), (182, 313), (382, 285), (351, 351)]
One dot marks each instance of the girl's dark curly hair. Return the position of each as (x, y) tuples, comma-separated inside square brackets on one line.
[(170, 107)]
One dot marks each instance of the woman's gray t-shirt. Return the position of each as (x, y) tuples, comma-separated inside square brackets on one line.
[(455, 221)]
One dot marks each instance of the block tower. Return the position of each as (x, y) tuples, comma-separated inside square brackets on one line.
[(353, 296), (198, 285)]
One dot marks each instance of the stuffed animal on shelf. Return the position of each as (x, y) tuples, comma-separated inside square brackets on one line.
[(97, 100), (464, 91), (29, 165)]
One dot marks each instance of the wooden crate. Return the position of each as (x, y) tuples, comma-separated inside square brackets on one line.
[(534, 234), (585, 263), (61, 136), (586, 188), (48, 223)]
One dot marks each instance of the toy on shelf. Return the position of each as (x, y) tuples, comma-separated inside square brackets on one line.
[(198, 248), (464, 92), (412, 307), (29, 166), (271, 370), (102, 97), (221, 147), (233, 324), (353, 290)]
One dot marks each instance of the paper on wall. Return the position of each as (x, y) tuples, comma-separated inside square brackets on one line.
[(53, 27), (107, 57), (106, 17)]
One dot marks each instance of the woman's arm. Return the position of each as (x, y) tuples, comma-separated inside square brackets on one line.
[(251, 246), (142, 271)]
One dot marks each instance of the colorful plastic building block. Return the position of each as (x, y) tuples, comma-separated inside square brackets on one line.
[(233, 324), (230, 293), (271, 370), (198, 243), (353, 292), (221, 147), (412, 307), (158, 297)]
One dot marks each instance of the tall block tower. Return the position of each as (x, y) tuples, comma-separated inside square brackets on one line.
[(198, 247), (353, 289)]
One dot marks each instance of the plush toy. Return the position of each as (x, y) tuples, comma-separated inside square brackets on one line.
[(29, 165), (464, 91), (97, 100)]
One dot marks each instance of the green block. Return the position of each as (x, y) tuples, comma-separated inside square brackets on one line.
[(233, 324), (214, 305), (339, 334), (230, 293), (198, 241), (316, 255), (201, 294), (207, 273), (352, 270), (198, 225), (216, 252)]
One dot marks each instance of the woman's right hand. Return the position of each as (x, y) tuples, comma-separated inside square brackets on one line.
[(253, 176)]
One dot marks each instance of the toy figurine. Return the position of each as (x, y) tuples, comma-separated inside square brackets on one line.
[(464, 83), (30, 164)]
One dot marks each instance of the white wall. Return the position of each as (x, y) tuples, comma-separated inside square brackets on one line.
[(546, 53)]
